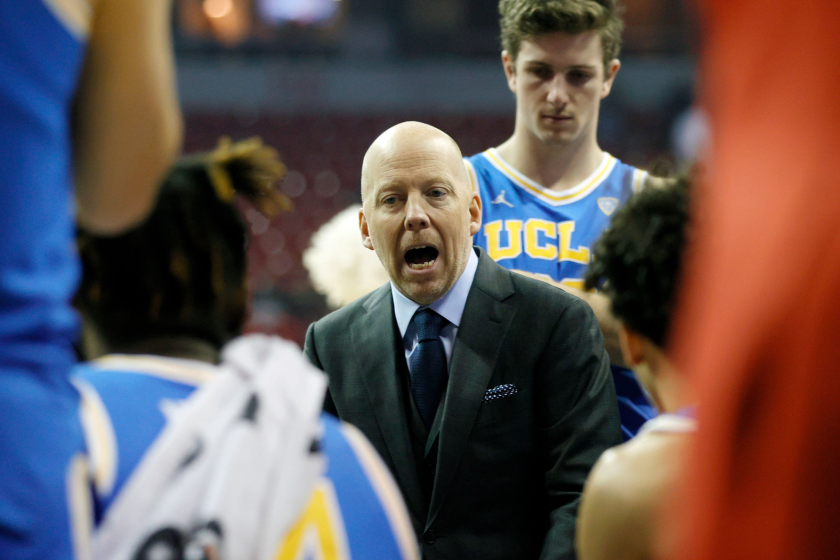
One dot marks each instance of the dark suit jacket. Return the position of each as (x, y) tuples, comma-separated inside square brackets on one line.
[(509, 471)]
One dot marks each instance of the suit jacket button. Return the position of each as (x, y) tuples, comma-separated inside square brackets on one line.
[(429, 537)]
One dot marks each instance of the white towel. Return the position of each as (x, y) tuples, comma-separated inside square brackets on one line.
[(232, 469)]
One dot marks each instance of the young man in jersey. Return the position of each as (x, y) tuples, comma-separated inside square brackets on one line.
[(549, 190), (90, 122), (638, 261), (162, 300)]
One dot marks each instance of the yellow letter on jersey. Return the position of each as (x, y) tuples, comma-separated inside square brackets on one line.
[(580, 255), (493, 232), (319, 532), (532, 247)]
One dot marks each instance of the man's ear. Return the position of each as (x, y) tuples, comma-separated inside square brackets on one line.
[(363, 227), (611, 70), (509, 64), (475, 213), (632, 345)]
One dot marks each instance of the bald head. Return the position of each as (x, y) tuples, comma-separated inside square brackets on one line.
[(403, 142), (419, 213)]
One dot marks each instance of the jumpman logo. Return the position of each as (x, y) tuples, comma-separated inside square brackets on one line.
[(501, 200)]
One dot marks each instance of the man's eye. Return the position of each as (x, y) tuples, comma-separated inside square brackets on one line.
[(578, 77), (542, 73), (389, 200), (437, 192)]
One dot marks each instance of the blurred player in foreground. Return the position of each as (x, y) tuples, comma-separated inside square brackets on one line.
[(758, 330), (164, 299), (549, 190), (638, 261), (87, 107), (339, 266)]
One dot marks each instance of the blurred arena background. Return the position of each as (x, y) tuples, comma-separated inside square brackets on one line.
[(320, 79)]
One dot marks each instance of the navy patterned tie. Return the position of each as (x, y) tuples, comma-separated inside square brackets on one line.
[(428, 364)]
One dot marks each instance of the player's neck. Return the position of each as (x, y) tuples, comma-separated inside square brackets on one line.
[(557, 167), (668, 387)]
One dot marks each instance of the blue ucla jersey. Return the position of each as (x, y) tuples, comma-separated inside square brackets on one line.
[(355, 507), (42, 44), (527, 227)]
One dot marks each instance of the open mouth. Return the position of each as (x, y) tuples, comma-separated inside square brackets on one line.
[(421, 258)]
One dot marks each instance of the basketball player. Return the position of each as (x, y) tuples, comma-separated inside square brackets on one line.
[(108, 65), (549, 190), (162, 300), (638, 261)]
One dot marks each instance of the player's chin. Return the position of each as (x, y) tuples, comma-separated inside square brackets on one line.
[(552, 138)]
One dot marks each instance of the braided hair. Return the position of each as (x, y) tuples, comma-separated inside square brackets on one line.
[(182, 271)]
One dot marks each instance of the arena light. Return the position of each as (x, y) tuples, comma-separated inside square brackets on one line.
[(217, 9), (305, 12)]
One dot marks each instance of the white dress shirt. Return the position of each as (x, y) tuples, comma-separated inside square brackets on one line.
[(450, 307)]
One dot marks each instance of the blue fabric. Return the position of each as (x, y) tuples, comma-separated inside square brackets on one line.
[(41, 433), (524, 228), (134, 404), (40, 62), (133, 401), (428, 364), (367, 525), (527, 227), (633, 405), (38, 263)]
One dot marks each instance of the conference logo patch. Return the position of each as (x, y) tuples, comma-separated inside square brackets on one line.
[(607, 204)]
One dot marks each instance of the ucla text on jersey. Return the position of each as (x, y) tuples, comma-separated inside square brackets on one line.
[(528, 227)]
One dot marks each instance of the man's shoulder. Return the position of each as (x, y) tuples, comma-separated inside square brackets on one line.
[(475, 158), (340, 318), (627, 176), (480, 171), (538, 305), (530, 288), (630, 476)]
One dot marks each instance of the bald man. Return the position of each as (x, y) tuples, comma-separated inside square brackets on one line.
[(488, 394)]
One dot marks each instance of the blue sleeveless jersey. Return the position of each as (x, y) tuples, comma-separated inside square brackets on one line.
[(527, 227), (127, 396), (41, 51)]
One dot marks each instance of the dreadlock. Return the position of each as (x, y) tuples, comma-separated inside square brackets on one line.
[(182, 271)]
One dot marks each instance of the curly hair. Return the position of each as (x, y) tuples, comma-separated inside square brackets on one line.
[(182, 271), (521, 19), (339, 266), (637, 260)]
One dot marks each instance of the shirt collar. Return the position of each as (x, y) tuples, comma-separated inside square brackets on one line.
[(450, 306)]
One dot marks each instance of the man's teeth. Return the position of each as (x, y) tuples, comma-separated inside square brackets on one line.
[(421, 266)]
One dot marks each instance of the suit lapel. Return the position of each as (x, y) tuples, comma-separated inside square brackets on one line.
[(484, 324), (375, 337)]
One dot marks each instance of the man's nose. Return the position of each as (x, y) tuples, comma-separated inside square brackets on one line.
[(416, 217), (557, 94)]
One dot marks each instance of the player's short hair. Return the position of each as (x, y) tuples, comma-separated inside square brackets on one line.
[(182, 271), (638, 259), (523, 19)]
